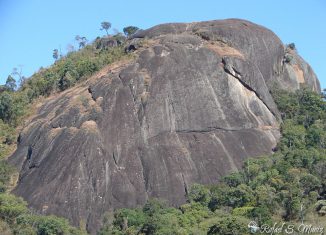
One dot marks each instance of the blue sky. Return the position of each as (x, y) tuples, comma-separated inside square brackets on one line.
[(31, 29)]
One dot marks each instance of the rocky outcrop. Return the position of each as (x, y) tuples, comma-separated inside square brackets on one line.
[(297, 72), (192, 106), (109, 42)]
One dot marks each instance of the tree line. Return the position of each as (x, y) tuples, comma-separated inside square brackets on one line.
[(82, 40)]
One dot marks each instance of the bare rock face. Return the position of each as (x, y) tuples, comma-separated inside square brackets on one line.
[(297, 72), (192, 106)]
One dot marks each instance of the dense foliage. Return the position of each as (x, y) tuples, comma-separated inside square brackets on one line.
[(289, 185), (69, 70)]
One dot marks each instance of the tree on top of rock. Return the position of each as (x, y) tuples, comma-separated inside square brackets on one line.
[(129, 30), (81, 41), (18, 72), (55, 54), (10, 83), (105, 25)]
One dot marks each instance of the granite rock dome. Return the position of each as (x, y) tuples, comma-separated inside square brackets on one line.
[(191, 106)]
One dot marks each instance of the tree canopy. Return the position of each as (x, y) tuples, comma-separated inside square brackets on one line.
[(129, 30), (105, 25)]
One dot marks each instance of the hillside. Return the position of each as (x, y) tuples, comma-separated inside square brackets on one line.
[(172, 106)]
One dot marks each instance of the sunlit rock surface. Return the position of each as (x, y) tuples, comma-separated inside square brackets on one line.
[(192, 106)]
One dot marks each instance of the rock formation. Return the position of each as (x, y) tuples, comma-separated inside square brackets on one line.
[(191, 107)]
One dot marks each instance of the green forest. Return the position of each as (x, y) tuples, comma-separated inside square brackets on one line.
[(288, 185)]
